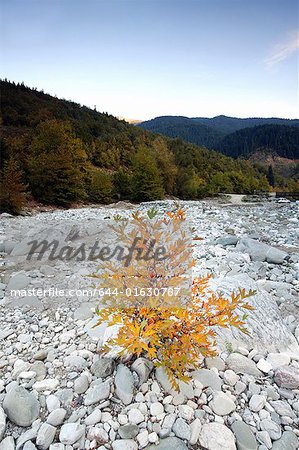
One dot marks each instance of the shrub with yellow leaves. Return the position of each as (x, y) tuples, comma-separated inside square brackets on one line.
[(174, 332)]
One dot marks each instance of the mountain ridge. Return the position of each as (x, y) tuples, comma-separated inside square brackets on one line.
[(210, 132)]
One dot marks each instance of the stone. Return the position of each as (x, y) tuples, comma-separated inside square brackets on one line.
[(186, 412), (102, 367), (124, 384), (45, 436), (48, 384), (40, 369), (52, 402), (124, 444), (71, 433), (181, 429), (287, 377), (264, 365), (227, 240), (195, 427), (2, 422), (81, 384), (142, 438), (128, 431), (241, 364), (29, 446), (258, 251), (57, 446), (7, 443), (278, 359), (163, 380), (94, 417), (222, 404), (264, 438), (143, 368), (156, 409), (216, 436), (272, 428), (216, 362), (97, 392), (288, 441), (282, 408), (257, 402), (169, 443), (230, 377), (208, 378), (18, 281), (135, 416), (56, 417), (21, 406), (75, 362), (244, 436)]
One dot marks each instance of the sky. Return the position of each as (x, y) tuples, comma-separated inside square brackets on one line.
[(141, 59)]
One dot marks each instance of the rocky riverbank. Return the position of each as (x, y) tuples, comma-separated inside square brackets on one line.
[(57, 392)]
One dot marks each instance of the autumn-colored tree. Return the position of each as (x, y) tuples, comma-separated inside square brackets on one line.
[(174, 332), (57, 164), (12, 188)]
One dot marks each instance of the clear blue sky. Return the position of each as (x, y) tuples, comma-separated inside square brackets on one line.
[(144, 58)]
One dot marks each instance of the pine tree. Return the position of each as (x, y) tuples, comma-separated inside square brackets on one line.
[(147, 182), (270, 176), (12, 188)]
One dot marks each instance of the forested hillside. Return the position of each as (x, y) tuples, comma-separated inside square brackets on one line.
[(232, 136), (282, 140), (59, 152)]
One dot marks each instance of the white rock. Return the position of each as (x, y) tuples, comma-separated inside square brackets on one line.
[(142, 438), (52, 402), (71, 433), (27, 375), (264, 365), (195, 431), (215, 436), (257, 402), (156, 409), (186, 412), (8, 443), (135, 416), (94, 417), (222, 404), (278, 359), (45, 436), (124, 444), (56, 417), (230, 377), (48, 384)]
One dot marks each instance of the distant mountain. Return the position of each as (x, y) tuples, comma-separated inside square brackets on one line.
[(224, 133), (191, 130), (228, 125), (281, 140)]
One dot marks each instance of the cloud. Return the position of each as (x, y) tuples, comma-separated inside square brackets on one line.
[(283, 51)]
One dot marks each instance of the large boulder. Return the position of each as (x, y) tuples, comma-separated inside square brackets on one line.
[(267, 330), (259, 251), (21, 406)]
